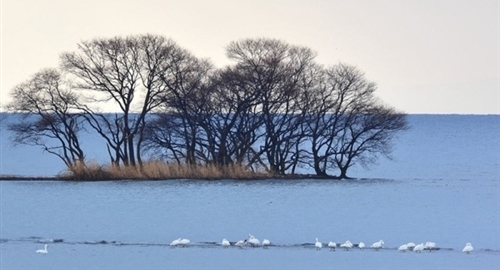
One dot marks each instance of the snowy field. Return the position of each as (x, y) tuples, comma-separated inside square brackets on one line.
[(442, 186)]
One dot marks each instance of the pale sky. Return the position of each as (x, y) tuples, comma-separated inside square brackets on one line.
[(426, 56)]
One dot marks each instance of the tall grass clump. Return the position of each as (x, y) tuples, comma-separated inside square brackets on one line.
[(86, 171), (159, 170)]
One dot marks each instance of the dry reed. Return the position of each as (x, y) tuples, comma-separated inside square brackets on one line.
[(159, 170)]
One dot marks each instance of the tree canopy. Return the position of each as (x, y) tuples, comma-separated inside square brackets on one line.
[(274, 107)]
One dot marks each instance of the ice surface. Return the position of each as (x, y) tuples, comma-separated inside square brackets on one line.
[(123, 224), (442, 186)]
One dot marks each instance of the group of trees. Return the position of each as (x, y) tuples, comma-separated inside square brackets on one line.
[(274, 108)]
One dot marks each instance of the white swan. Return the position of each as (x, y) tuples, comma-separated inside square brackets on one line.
[(184, 242), (43, 251), (468, 248), (241, 243), (377, 245), (410, 245), (418, 248), (332, 245), (176, 242), (266, 243), (430, 246), (225, 243), (318, 244), (361, 245), (253, 241), (347, 245), (403, 247)]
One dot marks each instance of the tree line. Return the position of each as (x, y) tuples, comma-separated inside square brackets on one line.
[(274, 107)]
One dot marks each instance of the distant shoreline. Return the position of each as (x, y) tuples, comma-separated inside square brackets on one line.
[(56, 178), (31, 178)]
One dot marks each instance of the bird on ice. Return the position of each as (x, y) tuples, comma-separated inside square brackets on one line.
[(468, 248), (43, 251), (418, 248), (332, 245), (225, 243), (430, 246), (403, 247), (184, 242), (253, 241), (377, 245), (410, 245), (318, 244), (361, 245), (347, 245), (266, 243), (175, 242), (241, 243)]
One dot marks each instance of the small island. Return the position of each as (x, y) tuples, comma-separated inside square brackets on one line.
[(173, 115)]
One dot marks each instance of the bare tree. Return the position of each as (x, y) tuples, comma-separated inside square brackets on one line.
[(49, 119), (276, 70), (128, 73), (369, 134), (187, 83), (346, 123), (164, 137), (177, 130), (232, 125), (274, 107)]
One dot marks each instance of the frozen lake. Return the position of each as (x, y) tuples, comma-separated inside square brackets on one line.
[(129, 225), (442, 186)]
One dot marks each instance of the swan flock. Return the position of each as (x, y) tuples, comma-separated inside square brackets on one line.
[(347, 245), (252, 241)]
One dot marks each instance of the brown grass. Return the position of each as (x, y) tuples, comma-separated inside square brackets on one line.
[(159, 170)]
